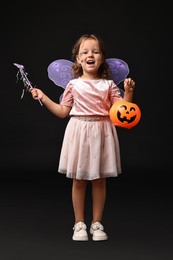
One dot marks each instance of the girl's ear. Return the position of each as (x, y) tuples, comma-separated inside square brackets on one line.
[(77, 59)]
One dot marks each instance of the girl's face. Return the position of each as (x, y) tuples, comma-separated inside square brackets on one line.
[(89, 57)]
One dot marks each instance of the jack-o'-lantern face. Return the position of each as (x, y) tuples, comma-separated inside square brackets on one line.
[(125, 114)]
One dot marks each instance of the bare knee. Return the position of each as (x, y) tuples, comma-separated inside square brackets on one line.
[(79, 184), (99, 182)]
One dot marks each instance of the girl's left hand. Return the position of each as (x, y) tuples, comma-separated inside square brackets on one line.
[(129, 84)]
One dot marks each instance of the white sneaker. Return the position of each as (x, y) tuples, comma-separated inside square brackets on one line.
[(96, 230), (80, 233)]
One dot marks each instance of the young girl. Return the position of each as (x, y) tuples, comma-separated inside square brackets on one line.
[(90, 149)]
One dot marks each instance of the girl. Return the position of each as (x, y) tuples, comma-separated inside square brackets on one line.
[(90, 149)]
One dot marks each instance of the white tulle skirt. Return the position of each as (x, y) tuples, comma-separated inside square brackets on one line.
[(90, 149)]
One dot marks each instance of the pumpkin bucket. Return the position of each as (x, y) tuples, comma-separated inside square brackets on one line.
[(125, 114)]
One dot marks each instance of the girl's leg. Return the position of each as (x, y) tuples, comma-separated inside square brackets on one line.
[(98, 197), (78, 199)]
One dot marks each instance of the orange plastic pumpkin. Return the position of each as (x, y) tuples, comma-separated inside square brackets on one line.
[(125, 114)]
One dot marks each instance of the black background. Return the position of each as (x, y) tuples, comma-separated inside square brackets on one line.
[(36, 34)]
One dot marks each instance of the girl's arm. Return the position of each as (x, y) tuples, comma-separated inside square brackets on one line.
[(129, 86), (55, 108)]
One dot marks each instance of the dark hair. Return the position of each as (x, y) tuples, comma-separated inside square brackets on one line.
[(77, 69)]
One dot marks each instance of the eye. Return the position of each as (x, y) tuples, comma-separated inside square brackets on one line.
[(83, 53)]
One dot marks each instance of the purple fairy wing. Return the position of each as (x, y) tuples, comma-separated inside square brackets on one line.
[(119, 69), (59, 71)]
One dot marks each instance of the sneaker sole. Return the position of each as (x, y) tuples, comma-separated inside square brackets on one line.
[(80, 238), (99, 238)]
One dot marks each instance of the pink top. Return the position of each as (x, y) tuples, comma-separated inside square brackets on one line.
[(90, 97)]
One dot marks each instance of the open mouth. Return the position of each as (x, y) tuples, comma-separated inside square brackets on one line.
[(90, 62)]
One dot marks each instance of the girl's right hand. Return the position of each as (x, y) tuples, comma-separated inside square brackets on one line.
[(36, 93)]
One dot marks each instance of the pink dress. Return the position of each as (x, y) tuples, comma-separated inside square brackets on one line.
[(90, 148)]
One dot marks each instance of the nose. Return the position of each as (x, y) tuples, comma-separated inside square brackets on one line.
[(90, 53)]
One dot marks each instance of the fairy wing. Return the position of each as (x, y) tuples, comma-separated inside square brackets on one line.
[(59, 71), (119, 70)]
